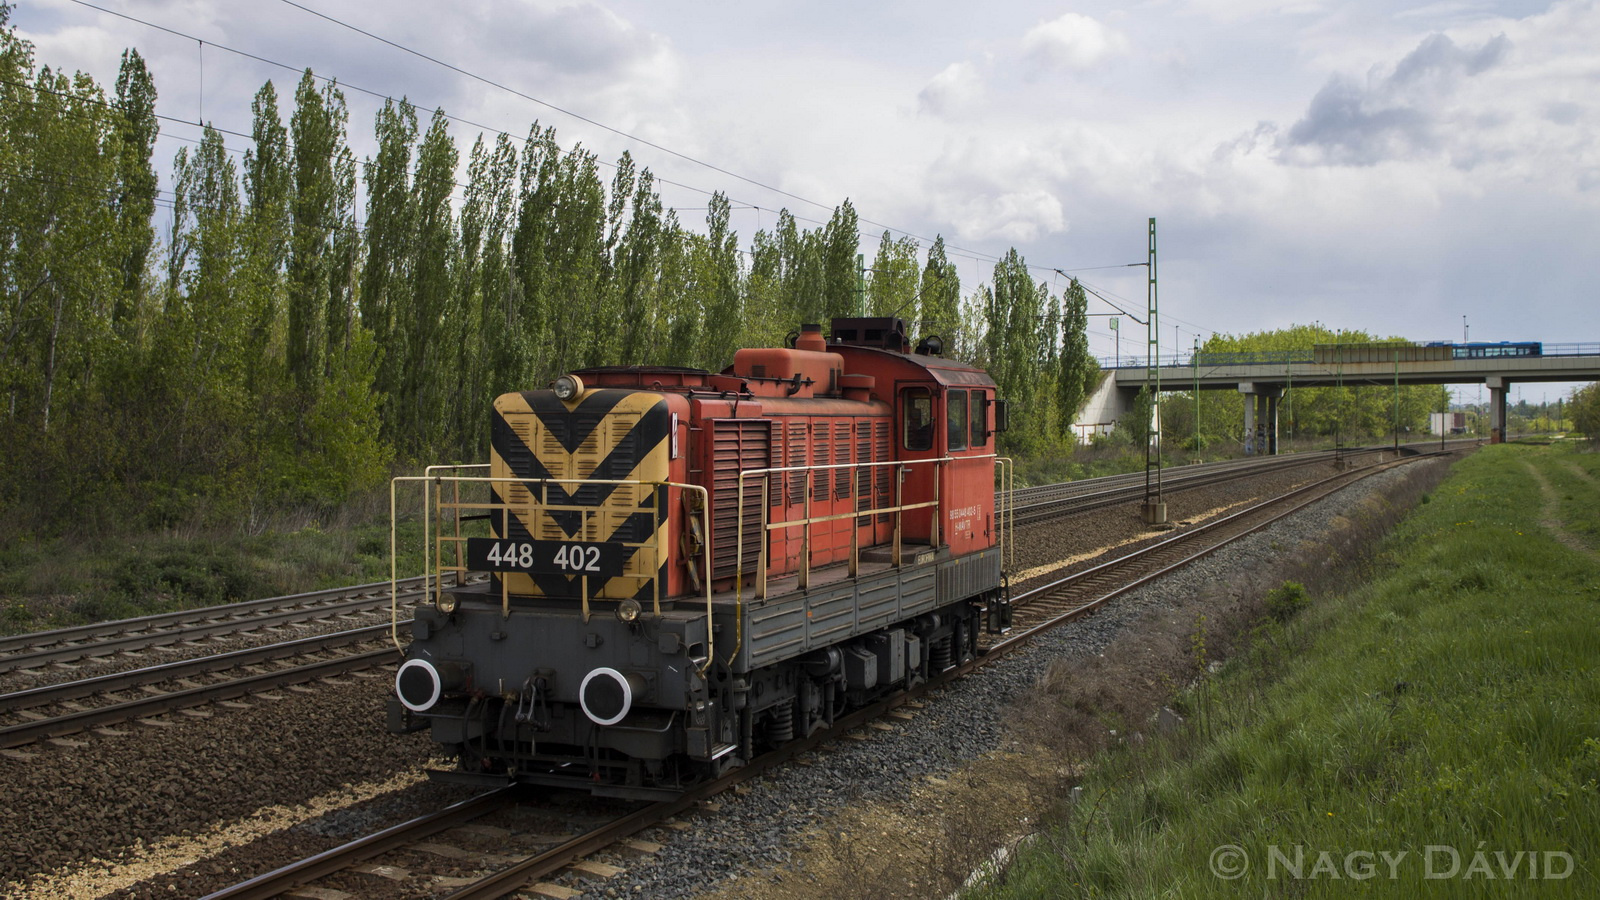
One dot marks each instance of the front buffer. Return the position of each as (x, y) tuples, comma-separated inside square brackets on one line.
[(616, 706)]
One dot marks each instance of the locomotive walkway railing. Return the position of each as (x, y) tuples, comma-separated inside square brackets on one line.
[(448, 544), (898, 509)]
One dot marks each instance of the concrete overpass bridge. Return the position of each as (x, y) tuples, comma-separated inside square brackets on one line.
[(1263, 377)]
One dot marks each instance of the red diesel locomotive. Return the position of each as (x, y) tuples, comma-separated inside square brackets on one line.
[(685, 567)]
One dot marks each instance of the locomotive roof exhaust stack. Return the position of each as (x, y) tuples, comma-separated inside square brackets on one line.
[(811, 339)]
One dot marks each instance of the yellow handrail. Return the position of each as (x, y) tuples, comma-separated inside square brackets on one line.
[(435, 544)]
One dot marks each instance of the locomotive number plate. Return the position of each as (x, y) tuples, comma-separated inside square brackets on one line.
[(546, 557)]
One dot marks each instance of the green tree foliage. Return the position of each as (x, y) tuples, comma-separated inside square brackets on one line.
[(1018, 346), (1078, 372), (940, 306), (269, 189), (318, 131), (285, 353), (385, 276), (893, 288), (1584, 410), (57, 236), (1348, 413), (134, 202), (841, 269), (718, 281), (428, 339)]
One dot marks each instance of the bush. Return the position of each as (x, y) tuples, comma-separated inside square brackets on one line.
[(1585, 410), (1287, 600)]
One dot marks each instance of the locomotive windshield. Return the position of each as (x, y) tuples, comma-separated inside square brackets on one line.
[(916, 418), (956, 419)]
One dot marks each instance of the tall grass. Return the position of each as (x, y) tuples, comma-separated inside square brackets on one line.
[(1447, 712)]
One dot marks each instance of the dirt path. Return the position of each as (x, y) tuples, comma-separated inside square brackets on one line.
[(1580, 471), (1550, 512)]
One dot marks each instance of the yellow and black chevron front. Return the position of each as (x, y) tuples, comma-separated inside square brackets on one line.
[(606, 435)]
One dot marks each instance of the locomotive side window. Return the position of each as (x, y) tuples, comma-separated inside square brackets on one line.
[(980, 419), (916, 419), (956, 420)]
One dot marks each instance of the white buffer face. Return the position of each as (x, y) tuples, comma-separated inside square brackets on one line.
[(418, 685), (607, 695)]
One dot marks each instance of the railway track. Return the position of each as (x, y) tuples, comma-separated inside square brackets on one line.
[(1082, 592), (59, 710), (1047, 501), (130, 636), (1039, 610), (97, 704)]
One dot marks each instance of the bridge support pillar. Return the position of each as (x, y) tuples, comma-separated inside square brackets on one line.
[(1260, 417), (1497, 408)]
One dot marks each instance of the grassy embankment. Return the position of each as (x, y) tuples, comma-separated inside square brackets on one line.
[(1435, 733)]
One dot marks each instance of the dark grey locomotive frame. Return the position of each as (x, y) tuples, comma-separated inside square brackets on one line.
[(785, 665)]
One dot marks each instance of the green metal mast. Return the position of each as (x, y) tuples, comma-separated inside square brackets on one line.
[(1155, 511)]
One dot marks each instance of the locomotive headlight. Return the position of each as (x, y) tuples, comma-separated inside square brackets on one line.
[(446, 603), (628, 610), (567, 387)]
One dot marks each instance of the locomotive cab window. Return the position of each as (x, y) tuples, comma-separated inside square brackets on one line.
[(956, 420), (980, 419), (916, 419)]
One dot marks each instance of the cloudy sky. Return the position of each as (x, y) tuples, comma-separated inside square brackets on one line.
[(1368, 165)]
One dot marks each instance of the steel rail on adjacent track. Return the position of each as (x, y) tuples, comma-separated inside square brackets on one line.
[(189, 696), (29, 651), (1066, 498), (1230, 528)]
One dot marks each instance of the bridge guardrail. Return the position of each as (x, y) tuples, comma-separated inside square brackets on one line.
[(1294, 357)]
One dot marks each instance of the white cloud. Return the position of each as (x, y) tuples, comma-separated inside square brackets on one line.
[(952, 91), (1073, 41)]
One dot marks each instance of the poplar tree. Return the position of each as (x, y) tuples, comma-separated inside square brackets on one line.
[(483, 282), (268, 189), (766, 317), (1012, 343), (59, 251), (718, 279), (135, 199), (430, 337), (940, 309), (636, 264), (1079, 372), (841, 270), (317, 128), (802, 272), (384, 296), (892, 289)]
